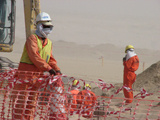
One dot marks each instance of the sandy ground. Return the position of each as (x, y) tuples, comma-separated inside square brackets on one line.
[(115, 22), (87, 69), (97, 23), (83, 61), (90, 68)]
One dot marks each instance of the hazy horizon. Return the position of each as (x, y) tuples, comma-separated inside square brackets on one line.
[(118, 22), (93, 22)]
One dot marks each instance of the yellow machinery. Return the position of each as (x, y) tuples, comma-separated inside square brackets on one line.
[(7, 26), (7, 21)]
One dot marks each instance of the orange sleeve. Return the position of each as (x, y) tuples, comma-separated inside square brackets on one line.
[(132, 64), (53, 63), (135, 64), (32, 50)]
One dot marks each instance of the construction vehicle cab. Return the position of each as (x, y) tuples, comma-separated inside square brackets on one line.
[(7, 25), (7, 21)]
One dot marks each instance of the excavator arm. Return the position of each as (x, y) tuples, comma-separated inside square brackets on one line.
[(31, 10)]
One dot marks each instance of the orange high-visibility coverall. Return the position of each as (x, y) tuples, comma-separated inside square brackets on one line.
[(130, 66), (39, 65), (86, 100), (73, 100)]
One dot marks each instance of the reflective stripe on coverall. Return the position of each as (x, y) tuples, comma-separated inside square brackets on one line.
[(86, 100), (39, 65), (130, 66), (73, 100)]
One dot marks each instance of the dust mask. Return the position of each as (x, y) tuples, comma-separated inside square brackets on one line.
[(43, 31)]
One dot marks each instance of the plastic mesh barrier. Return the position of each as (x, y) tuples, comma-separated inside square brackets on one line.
[(39, 96)]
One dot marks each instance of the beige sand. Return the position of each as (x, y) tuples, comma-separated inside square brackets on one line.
[(83, 61), (97, 27)]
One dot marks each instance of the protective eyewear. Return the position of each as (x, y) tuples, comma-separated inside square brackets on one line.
[(47, 26)]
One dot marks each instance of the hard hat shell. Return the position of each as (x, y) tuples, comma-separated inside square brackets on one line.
[(75, 82), (44, 18), (87, 85), (128, 47)]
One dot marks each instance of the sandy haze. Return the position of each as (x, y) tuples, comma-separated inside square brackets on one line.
[(85, 30), (83, 61), (93, 22)]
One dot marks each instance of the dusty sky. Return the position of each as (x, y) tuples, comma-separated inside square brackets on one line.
[(93, 22)]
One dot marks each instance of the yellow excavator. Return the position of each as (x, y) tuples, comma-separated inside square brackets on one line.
[(8, 18), (7, 25)]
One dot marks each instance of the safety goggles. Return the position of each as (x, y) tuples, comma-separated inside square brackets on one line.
[(47, 26)]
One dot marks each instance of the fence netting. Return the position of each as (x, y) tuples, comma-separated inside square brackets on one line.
[(39, 96)]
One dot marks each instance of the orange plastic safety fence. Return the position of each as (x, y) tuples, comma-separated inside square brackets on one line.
[(39, 96)]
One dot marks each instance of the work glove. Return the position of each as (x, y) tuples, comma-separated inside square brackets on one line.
[(58, 72), (52, 72)]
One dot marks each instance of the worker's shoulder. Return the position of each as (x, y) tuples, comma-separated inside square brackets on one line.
[(87, 91), (134, 58), (92, 93), (74, 91), (32, 36)]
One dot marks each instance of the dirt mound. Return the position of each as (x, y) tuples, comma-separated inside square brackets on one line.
[(149, 79)]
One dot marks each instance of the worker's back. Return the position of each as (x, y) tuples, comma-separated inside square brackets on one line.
[(73, 100), (74, 94), (86, 100)]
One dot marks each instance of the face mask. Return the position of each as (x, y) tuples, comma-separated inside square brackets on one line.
[(130, 53), (44, 31)]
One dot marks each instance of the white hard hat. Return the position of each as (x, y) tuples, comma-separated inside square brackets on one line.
[(44, 18)]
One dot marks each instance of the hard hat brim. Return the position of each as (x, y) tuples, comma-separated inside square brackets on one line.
[(128, 47), (47, 23)]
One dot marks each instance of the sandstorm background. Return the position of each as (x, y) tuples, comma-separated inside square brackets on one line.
[(87, 30)]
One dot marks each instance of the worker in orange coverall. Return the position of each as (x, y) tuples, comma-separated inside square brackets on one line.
[(72, 98), (86, 101), (131, 64), (36, 57)]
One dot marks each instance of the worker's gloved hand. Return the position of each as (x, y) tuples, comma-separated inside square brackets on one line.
[(52, 72), (58, 72)]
